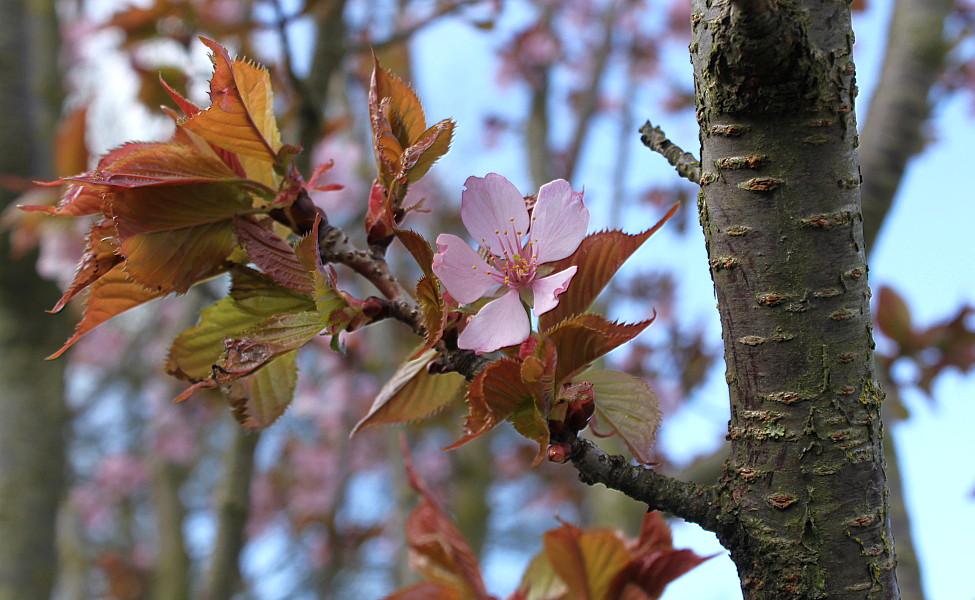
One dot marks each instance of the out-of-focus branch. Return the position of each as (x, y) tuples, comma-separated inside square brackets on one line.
[(171, 572), (590, 99), (893, 133), (687, 166), (313, 90), (233, 506), (536, 131), (686, 500), (406, 33)]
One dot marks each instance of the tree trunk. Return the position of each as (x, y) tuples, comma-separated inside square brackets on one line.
[(32, 411), (804, 492)]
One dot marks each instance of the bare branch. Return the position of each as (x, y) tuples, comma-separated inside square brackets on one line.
[(687, 166), (232, 510), (899, 108), (686, 500)]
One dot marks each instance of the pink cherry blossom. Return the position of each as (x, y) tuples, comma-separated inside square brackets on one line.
[(517, 244)]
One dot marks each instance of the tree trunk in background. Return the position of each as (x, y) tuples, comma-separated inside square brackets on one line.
[(32, 410), (804, 494)]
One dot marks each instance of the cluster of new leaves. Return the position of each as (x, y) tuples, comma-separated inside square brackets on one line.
[(221, 194), (574, 564)]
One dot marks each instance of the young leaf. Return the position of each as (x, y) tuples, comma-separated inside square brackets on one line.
[(426, 591), (654, 563), (240, 117), (403, 113), (437, 549), (433, 309), (581, 339), (586, 560), (598, 258), (494, 394), (273, 255), (627, 405), (101, 254), (417, 159), (259, 399), (176, 259), (111, 294), (143, 164), (418, 247), (412, 393), (252, 300), (540, 582)]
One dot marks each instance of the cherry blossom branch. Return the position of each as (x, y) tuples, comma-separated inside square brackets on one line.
[(684, 499), (687, 166)]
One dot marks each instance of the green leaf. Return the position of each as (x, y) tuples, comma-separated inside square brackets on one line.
[(259, 399), (412, 393), (598, 257), (254, 298), (628, 406), (581, 339), (587, 560)]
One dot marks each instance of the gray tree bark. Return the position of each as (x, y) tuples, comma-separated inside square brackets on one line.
[(32, 411), (804, 489)]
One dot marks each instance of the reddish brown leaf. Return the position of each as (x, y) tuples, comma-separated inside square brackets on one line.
[(273, 255), (175, 260), (101, 254), (437, 549), (419, 248), (434, 311), (109, 295), (427, 591), (894, 318), (143, 164), (493, 395), (598, 257), (404, 113), (581, 339), (240, 117), (417, 159), (586, 560), (69, 147)]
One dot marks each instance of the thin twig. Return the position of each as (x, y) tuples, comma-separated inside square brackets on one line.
[(687, 166)]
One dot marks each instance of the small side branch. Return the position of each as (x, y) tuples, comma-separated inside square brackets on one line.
[(687, 500), (687, 166)]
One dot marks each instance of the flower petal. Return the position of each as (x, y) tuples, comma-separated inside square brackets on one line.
[(559, 221), (494, 212), (547, 289), (465, 274), (502, 322)]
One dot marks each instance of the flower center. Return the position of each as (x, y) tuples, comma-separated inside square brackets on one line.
[(516, 270)]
